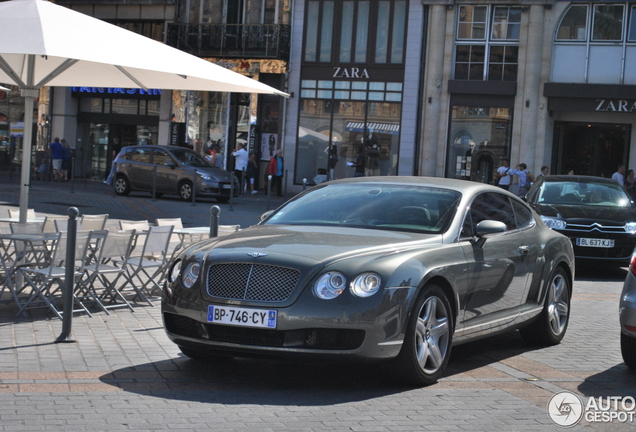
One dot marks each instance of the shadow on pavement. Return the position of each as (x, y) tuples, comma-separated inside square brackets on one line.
[(616, 381)]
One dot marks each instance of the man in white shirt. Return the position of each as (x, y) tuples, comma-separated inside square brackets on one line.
[(503, 174), (240, 165), (618, 176)]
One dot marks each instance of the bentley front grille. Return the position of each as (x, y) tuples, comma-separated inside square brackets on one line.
[(251, 282)]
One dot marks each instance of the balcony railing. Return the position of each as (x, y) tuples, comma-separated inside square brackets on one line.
[(266, 41)]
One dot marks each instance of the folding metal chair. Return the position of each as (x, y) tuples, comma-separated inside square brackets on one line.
[(94, 222), (115, 246), (48, 281), (49, 223), (153, 258), (39, 250)]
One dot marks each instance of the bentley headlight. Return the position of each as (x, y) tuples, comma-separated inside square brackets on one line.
[(630, 227), (330, 285), (366, 284), (190, 274), (174, 271), (553, 223)]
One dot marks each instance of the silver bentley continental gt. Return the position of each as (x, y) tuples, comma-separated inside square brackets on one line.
[(395, 269)]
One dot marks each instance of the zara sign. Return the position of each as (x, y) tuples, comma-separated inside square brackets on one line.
[(615, 105)]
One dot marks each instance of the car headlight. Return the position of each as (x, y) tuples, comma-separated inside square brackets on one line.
[(630, 227), (206, 176), (190, 274), (174, 271), (366, 284), (553, 222), (330, 285)]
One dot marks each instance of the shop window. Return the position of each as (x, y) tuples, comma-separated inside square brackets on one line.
[(480, 140), (331, 133), (487, 43), (124, 106)]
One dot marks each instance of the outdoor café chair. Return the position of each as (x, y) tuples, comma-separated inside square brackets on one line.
[(46, 283), (94, 222), (145, 270), (115, 246)]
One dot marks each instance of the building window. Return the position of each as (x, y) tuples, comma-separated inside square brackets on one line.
[(595, 43), (368, 31), (487, 43), (480, 139)]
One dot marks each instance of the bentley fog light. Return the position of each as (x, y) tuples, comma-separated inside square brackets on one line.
[(630, 227), (330, 285), (190, 274), (174, 271), (366, 284), (553, 223)]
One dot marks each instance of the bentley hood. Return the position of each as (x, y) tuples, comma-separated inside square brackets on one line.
[(314, 243)]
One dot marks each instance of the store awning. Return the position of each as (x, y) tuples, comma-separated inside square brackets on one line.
[(386, 128)]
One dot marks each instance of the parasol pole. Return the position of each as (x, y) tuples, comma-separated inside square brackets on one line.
[(29, 93)]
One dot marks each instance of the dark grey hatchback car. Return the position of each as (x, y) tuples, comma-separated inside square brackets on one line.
[(172, 170)]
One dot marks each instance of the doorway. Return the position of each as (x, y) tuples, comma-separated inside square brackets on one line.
[(594, 149)]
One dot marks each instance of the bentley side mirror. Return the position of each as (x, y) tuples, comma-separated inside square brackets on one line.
[(488, 227)]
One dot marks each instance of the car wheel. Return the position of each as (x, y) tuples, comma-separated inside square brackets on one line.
[(122, 186), (427, 344), (185, 191), (628, 349), (222, 199), (552, 323)]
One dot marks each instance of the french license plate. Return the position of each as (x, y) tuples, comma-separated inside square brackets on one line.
[(227, 186), (242, 317), (589, 242)]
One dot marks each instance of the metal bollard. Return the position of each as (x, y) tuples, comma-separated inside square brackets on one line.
[(194, 188), (69, 277), (215, 211), (304, 184), (269, 189), (154, 183)]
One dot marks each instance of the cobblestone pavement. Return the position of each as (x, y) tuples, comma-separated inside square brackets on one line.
[(122, 373)]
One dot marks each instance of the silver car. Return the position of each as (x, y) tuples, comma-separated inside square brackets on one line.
[(627, 314), (394, 269), (171, 170)]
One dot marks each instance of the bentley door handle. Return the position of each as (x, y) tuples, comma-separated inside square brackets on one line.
[(524, 249)]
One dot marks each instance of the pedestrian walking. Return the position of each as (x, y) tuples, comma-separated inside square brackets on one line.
[(240, 164), (276, 170), (67, 157), (252, 172), (57, 154)]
